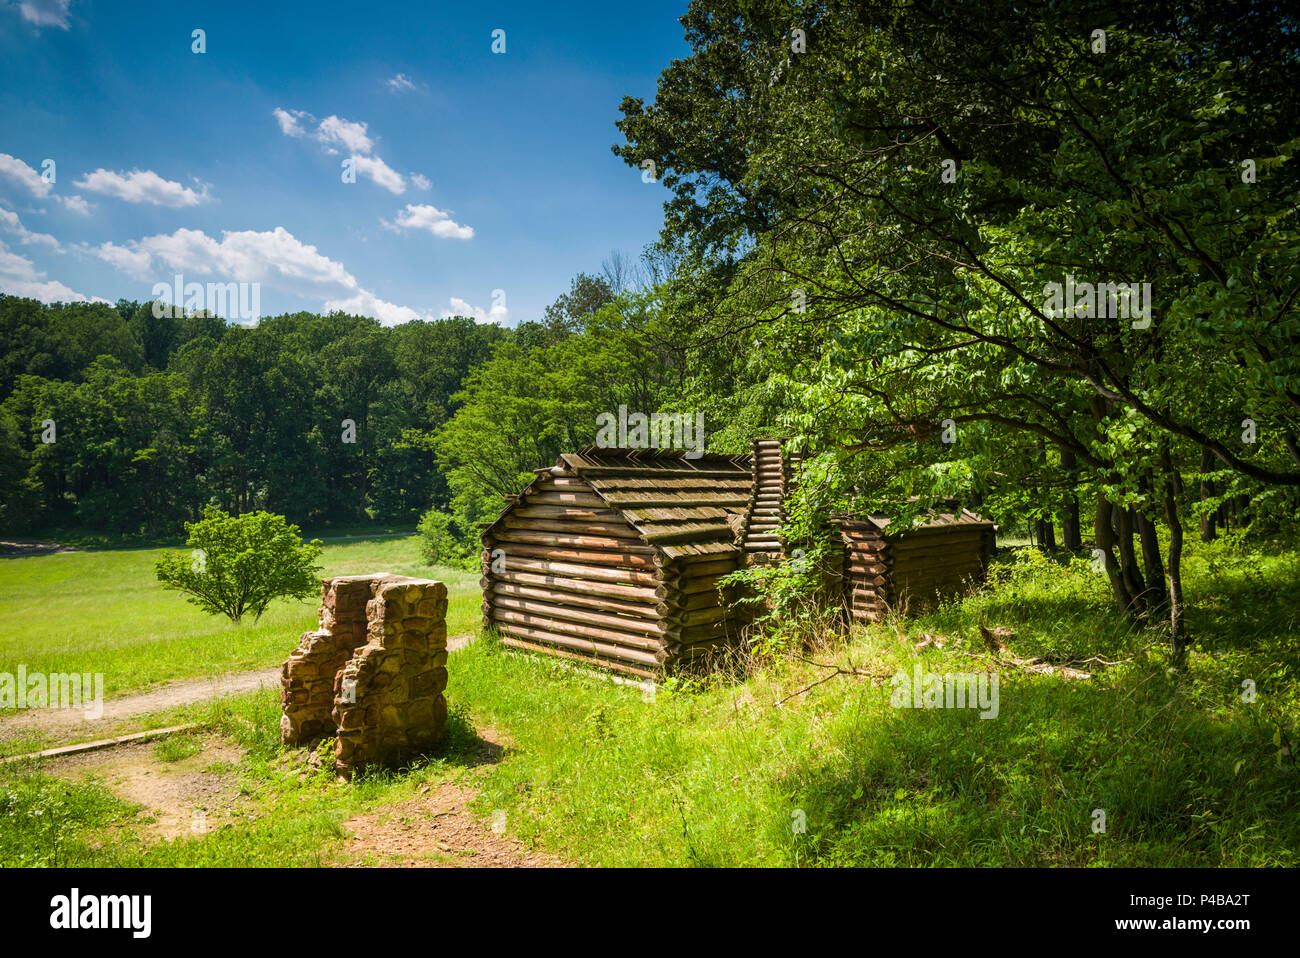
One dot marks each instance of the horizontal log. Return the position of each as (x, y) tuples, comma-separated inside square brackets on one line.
[(937, 549), (542, 648), (644, 610), (530, 608), (937, 566), (578, 570), (590, 587), (627, 560), (578, 513), (574, 527), (566, 497), (714, 568), (672, 535), (576, 630), (607, 543), (679, 563), (703, 616), (694, 586)]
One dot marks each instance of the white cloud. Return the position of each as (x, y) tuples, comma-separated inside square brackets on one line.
[(20, 277), (288, 120), (19, 172), (497, 314), (9, 220), (75, 203), (368, 304), (400, 83), (274, 258), (133, 262), (350, 135), (45, 13), (335, 133), (141, 186), (421, 182), (380, 172), (424, 217)]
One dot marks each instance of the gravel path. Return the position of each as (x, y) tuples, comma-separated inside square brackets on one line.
[(170, 695)]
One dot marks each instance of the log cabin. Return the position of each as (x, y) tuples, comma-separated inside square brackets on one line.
[(910, 570), (612, 557)]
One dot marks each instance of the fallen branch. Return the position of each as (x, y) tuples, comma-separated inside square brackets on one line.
[(837, 670)]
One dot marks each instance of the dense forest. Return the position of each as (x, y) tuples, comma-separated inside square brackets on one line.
[(114, 419)]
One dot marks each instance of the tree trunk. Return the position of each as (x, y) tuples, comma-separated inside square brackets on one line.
[(1070, 534), (1045, 533), (1156, 596), (1104, 539), (1177, 638), (1208, 531), (1128, 565)]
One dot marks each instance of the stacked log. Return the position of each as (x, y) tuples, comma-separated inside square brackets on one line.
[(868, 570), (766, 509), (700, 619), (939, 561), (565, 574)]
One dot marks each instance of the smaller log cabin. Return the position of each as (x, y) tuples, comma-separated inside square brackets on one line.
[(910, 570), (612, 557)]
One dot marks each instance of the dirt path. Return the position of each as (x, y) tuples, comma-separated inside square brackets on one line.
[(172, 694)]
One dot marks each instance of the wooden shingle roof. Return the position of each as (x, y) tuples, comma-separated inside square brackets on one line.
[(682, 506)]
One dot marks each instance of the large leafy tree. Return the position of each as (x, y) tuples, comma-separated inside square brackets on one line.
[(884, 191)]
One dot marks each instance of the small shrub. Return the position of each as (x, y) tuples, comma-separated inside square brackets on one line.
[(239, 564)]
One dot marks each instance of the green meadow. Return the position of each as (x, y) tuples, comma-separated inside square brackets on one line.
[(105, 611), (787, 762)]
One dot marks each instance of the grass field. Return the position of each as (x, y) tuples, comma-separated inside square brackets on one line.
[(780, 768), (106, 612)]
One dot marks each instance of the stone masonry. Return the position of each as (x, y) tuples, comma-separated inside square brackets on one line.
[(373, 674)]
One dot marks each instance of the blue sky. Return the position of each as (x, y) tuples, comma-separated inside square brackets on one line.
[(475, 171)]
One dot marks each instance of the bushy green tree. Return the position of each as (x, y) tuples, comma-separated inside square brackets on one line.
[(239, 564)]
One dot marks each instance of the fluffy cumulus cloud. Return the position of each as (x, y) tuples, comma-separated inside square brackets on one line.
[(10, 222), (20, 277), (496, 314), (141, 186), (45, 13), (336, 135), (274, 258), (424, 217), (16, 171)]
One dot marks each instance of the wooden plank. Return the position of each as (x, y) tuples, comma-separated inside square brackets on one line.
[(549, 610), (542, 649), (645, 610), (573, 541), (577, 513), (628, 560), (577, 631), (580, 586), (619, 530), (576, 570)]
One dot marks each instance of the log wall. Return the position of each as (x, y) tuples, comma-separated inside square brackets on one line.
[(912, 569), (566, 575)]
